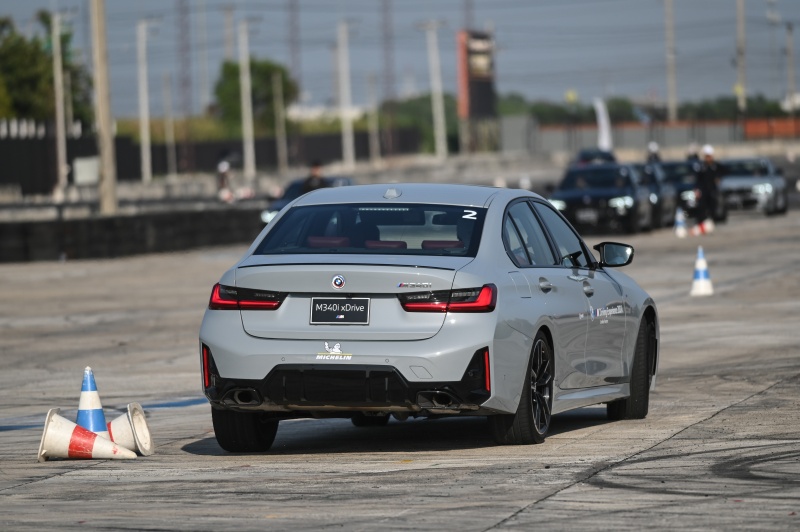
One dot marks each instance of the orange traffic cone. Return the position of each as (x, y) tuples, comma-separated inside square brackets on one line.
[(64, 439), (130, 430)]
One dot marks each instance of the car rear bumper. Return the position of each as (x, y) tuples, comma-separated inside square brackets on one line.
[(299, 390)]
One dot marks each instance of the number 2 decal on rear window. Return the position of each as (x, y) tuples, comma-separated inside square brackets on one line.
[(470, 215)]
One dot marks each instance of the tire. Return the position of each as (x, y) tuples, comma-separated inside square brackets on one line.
[(638, 403), (243, 432), (363, 420), (532, 419)]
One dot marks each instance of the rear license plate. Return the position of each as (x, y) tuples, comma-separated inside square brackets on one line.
[(339, 310), (586, 216)]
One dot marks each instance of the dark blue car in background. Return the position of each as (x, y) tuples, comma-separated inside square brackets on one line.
[(607, 196)]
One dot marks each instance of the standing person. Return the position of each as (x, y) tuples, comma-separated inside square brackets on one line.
[(706, 190), (652, 152), (691, 154), (314, 179), (223, 181)]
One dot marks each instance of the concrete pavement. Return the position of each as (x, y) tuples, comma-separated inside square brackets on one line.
[(720, 449)]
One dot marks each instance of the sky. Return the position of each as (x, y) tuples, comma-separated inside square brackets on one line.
[(545, 48)]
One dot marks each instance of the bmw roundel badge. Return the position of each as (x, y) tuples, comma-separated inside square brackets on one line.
[(338, 282)]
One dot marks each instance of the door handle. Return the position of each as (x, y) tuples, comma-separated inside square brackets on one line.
[(545, 285), (587, 289)]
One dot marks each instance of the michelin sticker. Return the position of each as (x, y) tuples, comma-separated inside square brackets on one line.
[(334, 353)]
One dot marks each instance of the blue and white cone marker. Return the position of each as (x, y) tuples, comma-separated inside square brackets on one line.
[(130, 430), (64, 439), (90, 410), (680, 224), (702, 280)]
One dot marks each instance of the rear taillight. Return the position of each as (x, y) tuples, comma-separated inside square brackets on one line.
[(232, 298), (482, 299)]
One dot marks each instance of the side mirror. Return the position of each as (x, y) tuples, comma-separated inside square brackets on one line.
[(614, 254)]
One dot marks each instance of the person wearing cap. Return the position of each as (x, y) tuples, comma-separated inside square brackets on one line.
[(706, 189), (652, 152)]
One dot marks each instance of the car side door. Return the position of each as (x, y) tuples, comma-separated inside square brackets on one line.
[(604, 297), (553, 293)]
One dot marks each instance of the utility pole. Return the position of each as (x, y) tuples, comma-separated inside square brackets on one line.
[(790, 87), (437, 98), (374, 139), (741, 81), (280, 123), (228, 10), (205, 84), (169, 128), (245, 90), (468, 18), (108, 170), (184, 12), (388, 74), (144, 101), (61, 139), (345, 115), (672, 90), (294, 43)]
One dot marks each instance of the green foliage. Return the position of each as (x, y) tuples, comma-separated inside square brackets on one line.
[(418, 113), (26, 66), (228, 98), (622, 109), (512, 104)]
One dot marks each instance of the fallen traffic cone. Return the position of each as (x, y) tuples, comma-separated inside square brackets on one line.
[(130, 431), (680, 223), (90, 410), (702, 281), (64, 439)]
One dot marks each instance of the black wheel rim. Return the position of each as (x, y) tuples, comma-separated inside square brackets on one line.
[(541, 386)]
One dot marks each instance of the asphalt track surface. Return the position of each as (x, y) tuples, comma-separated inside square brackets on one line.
[(719, 450)]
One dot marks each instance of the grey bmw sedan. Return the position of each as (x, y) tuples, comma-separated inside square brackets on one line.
[(393, 301)]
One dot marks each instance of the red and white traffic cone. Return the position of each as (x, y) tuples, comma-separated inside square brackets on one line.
[(64, 439), (130, 430)]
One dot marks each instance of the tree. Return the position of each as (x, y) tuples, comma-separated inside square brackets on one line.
[(228, 97), (418, 113), (26, 67)]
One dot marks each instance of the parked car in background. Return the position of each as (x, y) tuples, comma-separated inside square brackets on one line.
[(593, 156), (411, 300), (682, 174), (294, 191), (754, 183), (663, 193), (607, 196)]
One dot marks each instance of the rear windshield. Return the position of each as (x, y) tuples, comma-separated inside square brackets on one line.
[(596, 178), (399, 229)]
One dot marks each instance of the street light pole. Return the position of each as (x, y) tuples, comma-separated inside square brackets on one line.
[(248, 143), (61, 139), (345, 115), (108, 169), (437, 98), (144, 102)]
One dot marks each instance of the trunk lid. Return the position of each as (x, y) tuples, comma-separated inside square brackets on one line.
[(368, 281)]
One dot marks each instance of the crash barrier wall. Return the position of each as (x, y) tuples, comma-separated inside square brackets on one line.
[(523, 134), (119, 236), (30, 163)]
